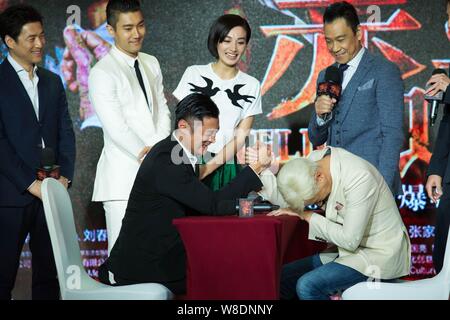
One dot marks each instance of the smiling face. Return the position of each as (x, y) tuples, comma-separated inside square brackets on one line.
[(342, 42), (197, 135), (129, 32), (204, 135), (232, 48), (27, 50)]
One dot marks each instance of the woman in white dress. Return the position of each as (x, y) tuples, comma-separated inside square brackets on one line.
[(236, 94)]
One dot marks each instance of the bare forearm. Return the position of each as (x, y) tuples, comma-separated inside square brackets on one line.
[(230, 149), (225, 155)]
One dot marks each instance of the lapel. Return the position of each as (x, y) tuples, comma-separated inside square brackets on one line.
[(336, 198), (151, 79), (187, 162), (350, 91), (42, 85), (15, 85), (137, 99), (174, 145)]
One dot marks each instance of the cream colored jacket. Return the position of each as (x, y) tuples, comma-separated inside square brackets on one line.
[(362, 219)]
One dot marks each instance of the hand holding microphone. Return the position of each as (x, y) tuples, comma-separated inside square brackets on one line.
[(434, 92), (47, 169), (328, 92), (324, 105), (438, 82)]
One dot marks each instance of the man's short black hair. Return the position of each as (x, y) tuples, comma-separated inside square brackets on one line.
[(342, 10), (116, 7), (195, 106), (220, 29), (15, 17)]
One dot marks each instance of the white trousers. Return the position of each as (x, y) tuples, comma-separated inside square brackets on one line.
[(114, 213)]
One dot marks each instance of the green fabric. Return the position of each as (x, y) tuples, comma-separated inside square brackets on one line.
[(222, 175)]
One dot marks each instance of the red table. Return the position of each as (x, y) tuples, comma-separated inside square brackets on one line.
[(240, 258)]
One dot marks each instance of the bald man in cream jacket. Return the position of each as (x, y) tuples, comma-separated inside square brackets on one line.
[(362, 224)]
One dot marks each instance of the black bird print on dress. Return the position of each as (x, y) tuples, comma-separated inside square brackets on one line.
[(235, 96), (208, 90)]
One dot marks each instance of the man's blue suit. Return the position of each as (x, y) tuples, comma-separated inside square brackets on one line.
[(368, 120), (21, 137)]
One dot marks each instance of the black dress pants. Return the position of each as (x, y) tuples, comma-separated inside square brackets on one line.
[(15, 224), (441, 231)]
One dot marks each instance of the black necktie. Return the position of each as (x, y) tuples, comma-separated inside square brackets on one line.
[(141, 81), (342, 68)]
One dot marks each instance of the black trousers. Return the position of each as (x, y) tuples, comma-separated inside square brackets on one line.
[(15, 224), (441, 231)]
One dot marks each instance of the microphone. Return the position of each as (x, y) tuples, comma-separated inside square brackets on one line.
[(331, 86), (434, 100), (47, 168), (263, 206)]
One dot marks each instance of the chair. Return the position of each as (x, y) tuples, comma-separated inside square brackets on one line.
[(436, 288), (74, 282)]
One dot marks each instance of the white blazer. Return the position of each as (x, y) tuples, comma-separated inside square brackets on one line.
[(128, 123), (361, 218)]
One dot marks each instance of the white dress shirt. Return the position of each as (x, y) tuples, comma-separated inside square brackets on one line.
[(352, 67), (30, 85), (192, 159)]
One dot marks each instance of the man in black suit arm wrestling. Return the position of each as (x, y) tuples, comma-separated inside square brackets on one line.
[(149, 248)]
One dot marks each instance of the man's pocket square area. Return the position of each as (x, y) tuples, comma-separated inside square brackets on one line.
[(367, 85)]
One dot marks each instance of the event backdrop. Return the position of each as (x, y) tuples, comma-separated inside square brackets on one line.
[(286, 53)]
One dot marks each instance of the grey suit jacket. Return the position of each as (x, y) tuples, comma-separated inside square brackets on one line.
[(368, 120)]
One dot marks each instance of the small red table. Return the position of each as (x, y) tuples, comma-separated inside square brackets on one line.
[(229, 257)]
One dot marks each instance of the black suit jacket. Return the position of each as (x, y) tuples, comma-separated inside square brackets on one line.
[(440, 161), (149, 248), (21, 133)]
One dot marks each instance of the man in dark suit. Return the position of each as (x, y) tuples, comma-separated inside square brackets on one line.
[(149, 248), (33, 115), (438, 182)]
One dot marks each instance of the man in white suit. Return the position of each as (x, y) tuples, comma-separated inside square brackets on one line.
[(362, 224), (126, 91)]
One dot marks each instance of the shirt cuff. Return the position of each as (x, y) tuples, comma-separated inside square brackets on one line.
[(257, 174), (322, 121), (31, 185), (315, 228)]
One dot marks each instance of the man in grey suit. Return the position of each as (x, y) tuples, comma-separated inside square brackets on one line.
[(368, 120)]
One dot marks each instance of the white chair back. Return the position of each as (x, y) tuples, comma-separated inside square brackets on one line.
[(64, 238)]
